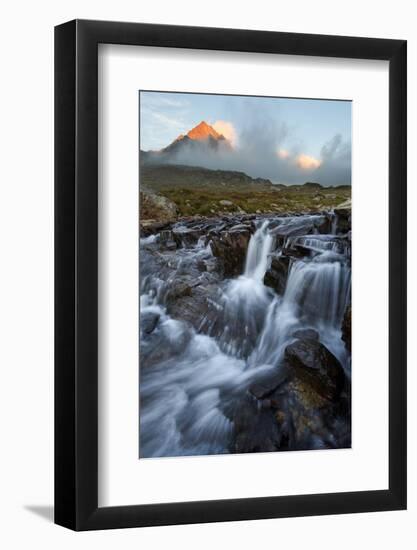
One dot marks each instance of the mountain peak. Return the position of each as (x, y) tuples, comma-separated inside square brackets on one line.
[(204, 131)]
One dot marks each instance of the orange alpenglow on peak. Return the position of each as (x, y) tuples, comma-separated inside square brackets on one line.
[(204, 131)]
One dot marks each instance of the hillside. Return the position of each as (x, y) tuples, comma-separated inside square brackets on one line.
[(174, 191)]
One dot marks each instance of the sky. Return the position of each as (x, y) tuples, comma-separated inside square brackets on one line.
[(287, 140)]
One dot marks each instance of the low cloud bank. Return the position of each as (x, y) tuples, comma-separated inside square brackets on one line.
[(258, 150)]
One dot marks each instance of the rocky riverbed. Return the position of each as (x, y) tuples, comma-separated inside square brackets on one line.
[(245, 334)]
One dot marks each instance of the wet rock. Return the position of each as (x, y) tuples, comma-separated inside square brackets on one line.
[(210, 265), (343, 220), (296, 252), (256, 429), (308, 333), (277, 273), (196, 307), (324, 224), (148, 321), (187, 237), (269, 383), (160, 345), (307, 420), (294, 229), (166, 240), (314, 364), (230, 248), (177, 288), (347, 328), (151, 228)]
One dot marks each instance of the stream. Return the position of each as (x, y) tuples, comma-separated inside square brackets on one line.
[(206, 338)]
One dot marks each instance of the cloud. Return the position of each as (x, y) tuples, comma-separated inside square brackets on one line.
[(260, 151), (283, 154), (336, 167), (307, 162), (227, 129)]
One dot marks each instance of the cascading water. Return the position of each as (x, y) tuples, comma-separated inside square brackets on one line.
[(257, 256), (243, 303), (192, 378)]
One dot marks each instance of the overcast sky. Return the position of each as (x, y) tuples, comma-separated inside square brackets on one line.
[(285, 140)]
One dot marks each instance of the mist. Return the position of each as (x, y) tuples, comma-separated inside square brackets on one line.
[(255, 152)]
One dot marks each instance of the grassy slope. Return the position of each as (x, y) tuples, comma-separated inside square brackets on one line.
[(198, 191)]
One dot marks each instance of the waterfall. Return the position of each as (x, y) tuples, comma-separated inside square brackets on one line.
[(195, 375), (320, 290), (257, 256), (244, 303)]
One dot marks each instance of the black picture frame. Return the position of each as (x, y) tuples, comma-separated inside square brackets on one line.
[(76, 272)]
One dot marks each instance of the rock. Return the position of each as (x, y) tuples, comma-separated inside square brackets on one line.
[(178, 288), (148, 228), (187, 238), (156, 207), (277, 273), (269, 383), (347, 328), (230, 247), (323, 224), (197, 306), (159, 346), (314, 364), (226, 203), (166, 240), (148, 321), (255, 429), (343, 220), (308, 333)]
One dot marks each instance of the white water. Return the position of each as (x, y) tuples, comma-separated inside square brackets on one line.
[(185, 396), (257, 256)]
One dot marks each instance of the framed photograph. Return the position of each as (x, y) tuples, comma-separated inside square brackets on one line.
[(230, 247)]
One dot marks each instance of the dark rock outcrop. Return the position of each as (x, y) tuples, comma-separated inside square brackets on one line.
[(195, 307), (309, 333), (277, 273), (267, 384), (255, 428), (314, 364), (149, 321), (347, 328), (343, 220), (230, 248)]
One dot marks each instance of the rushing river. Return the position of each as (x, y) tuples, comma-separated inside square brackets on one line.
[(198, 373)]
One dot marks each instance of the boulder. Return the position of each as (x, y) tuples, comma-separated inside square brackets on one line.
[(230, 248), (149, 321), (323, 224), (343, 220), (308, 333), (195, 308), (156, 207), (277, 273), (255, 429), (347, 328), (177, 288), (268, 383), (314, 364)]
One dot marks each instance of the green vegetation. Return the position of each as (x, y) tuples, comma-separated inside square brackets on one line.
[(198, 191)]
